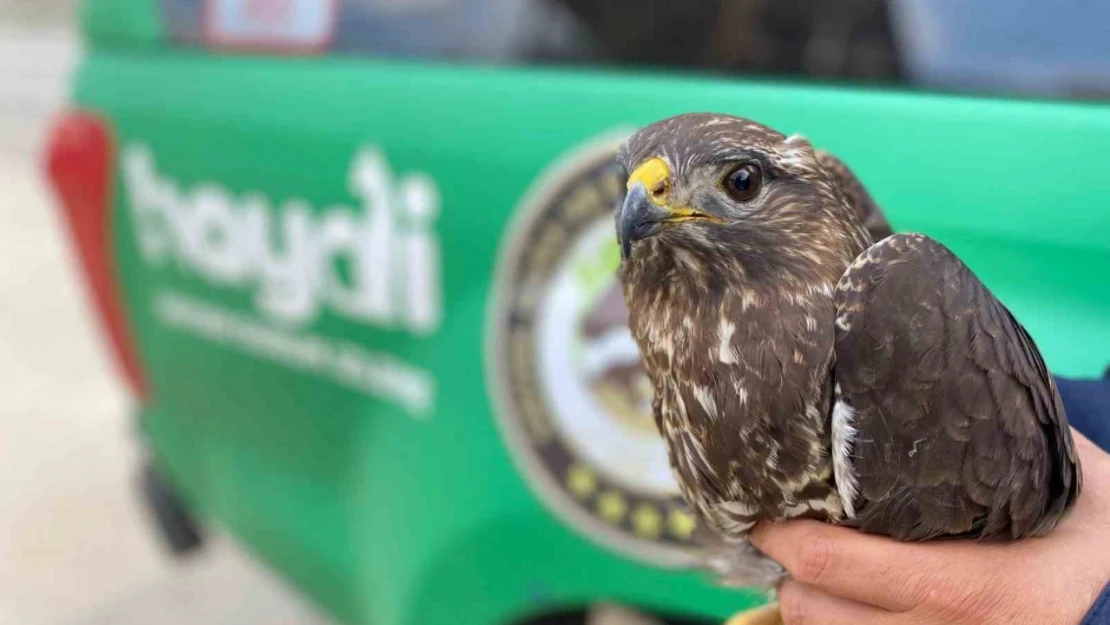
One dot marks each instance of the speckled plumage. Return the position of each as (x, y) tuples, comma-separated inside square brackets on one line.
[(780, 342)]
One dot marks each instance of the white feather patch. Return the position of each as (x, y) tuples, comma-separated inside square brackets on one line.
[(829, 505), (842, 323), (796, 150), (700, 464), (725, 352), (843, 436), (738, 508), (705, 398)]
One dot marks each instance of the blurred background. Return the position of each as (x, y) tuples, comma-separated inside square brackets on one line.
[(76, 547), (987, 46)]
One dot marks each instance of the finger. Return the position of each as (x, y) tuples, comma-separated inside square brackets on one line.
[(1087, 451), (802, 604), (1094, 504), (766, 615), (847, 563)]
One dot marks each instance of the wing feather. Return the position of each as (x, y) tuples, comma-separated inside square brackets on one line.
[(857, 195), (959, 428)]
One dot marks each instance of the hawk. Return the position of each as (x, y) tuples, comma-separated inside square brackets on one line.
[(801, 369)]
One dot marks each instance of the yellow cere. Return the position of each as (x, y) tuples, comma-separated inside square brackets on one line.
[(655, 176), (653, 173)]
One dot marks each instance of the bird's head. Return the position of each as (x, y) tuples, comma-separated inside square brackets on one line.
[(717, 188)]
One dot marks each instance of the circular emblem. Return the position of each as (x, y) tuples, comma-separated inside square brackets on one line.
[(574, 402)]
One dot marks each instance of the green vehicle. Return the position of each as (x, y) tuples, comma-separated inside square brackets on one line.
[(367, 304)]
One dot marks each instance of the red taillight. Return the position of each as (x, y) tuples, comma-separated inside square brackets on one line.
[(80, 161)]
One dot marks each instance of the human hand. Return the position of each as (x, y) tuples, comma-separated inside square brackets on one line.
[(842, 576)]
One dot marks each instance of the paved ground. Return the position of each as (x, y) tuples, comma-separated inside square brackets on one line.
[(75, 548)]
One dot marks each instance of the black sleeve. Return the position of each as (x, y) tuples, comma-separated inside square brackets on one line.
[(1087, 404)]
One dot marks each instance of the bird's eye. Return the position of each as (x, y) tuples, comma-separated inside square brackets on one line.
[(743, 183)]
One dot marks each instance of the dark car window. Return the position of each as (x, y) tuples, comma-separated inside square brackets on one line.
[(1055, 49)]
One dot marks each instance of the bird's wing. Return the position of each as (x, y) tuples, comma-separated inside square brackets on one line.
[(856, 194), (947, 422)]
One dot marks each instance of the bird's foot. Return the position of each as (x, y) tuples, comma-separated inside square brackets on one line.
[(766, 615), (743, 566)]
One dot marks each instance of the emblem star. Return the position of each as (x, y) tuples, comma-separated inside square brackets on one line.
[(646, 521), (681, 524), (612, 506), (581, 481)]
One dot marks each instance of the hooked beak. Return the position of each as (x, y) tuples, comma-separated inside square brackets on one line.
[(640, 218)]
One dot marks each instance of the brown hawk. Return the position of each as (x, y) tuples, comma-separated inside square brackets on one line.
[(801, 370)]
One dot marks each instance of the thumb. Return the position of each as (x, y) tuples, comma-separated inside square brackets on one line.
[(844, 562)]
